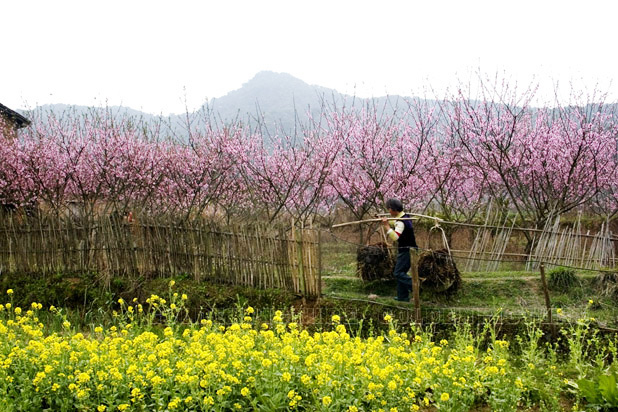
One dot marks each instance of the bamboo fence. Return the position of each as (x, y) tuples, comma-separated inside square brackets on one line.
[(252, 255), (569, 247), (555, 245)]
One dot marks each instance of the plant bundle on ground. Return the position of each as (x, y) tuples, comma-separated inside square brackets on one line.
[(438, 272), (607, 284), (374, 262)]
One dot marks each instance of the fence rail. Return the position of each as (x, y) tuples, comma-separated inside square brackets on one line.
[(256, 256)]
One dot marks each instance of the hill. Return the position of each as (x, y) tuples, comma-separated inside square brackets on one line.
[(276, 101)]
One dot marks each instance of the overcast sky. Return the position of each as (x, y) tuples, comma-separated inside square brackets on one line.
[(149, 55)]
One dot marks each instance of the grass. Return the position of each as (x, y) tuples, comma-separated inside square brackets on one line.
[(338, 259), (497, 274)]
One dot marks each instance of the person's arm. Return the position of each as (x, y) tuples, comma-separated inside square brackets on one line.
[(394, 234), (397, 231)]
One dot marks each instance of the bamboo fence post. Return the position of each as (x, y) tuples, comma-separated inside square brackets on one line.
[(319, 251), (301, 263), (262, 268), (11, 257), (307, 259), (292, 258)]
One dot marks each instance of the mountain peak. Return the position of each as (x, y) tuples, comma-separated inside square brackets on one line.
[(278, 97), (270, 75), (273, 82)]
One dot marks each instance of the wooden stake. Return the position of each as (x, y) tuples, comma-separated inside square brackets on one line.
[(416, 285), (547, 302)]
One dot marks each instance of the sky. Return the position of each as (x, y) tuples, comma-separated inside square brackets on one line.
[(162, 57)]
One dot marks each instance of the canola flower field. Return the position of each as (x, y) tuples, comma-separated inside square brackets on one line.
[(152, 358)]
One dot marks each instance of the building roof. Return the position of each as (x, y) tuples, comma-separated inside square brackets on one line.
[(19, 120)]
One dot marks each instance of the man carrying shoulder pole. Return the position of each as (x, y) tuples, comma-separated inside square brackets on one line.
[(403, 233)]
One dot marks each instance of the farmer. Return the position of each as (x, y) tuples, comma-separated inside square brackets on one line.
[(403, 233)]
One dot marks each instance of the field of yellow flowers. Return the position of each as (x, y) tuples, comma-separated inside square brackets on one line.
[(151, 358)]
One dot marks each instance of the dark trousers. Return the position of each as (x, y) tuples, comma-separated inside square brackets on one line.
[(404, 281)]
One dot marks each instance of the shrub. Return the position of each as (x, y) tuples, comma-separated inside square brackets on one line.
[(562, 279)]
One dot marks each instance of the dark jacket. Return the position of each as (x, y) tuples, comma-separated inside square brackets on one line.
[(406, 239)]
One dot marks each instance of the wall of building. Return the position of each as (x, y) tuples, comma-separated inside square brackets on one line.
[(7, 128)]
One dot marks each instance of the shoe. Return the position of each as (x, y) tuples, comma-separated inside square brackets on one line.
[(401, 300)]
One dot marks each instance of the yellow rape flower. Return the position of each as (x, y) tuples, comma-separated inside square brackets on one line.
[(173, 404)]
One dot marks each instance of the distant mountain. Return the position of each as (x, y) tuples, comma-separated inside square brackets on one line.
[(277, 101), (275, 98), (280, 101)]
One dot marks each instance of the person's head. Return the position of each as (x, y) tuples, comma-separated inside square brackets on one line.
[(394, 206)]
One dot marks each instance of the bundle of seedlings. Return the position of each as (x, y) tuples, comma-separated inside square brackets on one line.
[(438, 272), (374, 262), (607, 284)]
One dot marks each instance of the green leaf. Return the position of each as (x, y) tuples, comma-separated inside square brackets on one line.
[(609, 389), (589, 390)]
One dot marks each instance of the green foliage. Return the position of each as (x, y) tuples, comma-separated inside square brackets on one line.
[(562, 279), (601, 391), (61, 289), (88, 300)]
